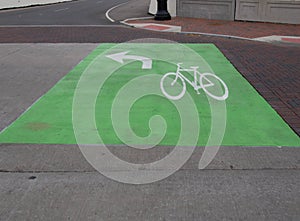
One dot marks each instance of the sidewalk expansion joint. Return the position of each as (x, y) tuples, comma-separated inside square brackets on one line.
[(182, 169)]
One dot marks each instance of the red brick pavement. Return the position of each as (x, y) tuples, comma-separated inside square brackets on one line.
[(274, 70), (234, 28)]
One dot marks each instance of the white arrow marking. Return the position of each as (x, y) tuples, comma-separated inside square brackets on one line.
[(120, 57)]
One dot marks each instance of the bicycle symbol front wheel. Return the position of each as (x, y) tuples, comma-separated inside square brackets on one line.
[(214, 89), (169, 81)]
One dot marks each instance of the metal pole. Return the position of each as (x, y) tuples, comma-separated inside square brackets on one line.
[(162, 10)]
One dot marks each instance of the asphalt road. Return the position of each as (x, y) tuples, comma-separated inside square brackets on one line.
[(81, 12)]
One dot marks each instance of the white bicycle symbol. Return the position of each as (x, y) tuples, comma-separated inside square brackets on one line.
[(201, 85)]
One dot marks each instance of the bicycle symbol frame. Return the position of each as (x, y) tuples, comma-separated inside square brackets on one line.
[(197, 87)]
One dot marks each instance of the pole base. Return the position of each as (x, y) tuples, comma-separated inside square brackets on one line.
[(162, 15)]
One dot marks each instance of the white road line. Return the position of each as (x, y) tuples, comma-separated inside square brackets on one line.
[(109, 10), (62, 9)]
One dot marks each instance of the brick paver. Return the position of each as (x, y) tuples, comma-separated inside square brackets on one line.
[(272, 69)]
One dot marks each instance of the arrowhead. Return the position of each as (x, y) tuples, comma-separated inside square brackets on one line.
[(118, 57)]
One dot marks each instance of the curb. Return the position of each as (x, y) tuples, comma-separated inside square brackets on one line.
[(277, 38), (12, 4), (152, 26), (178, 29), (171, 28)]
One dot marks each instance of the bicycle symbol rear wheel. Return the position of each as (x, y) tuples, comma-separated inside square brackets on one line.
[(206, 76), (164, 84)]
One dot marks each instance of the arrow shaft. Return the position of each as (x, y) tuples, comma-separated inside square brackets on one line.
[(147, 62)]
